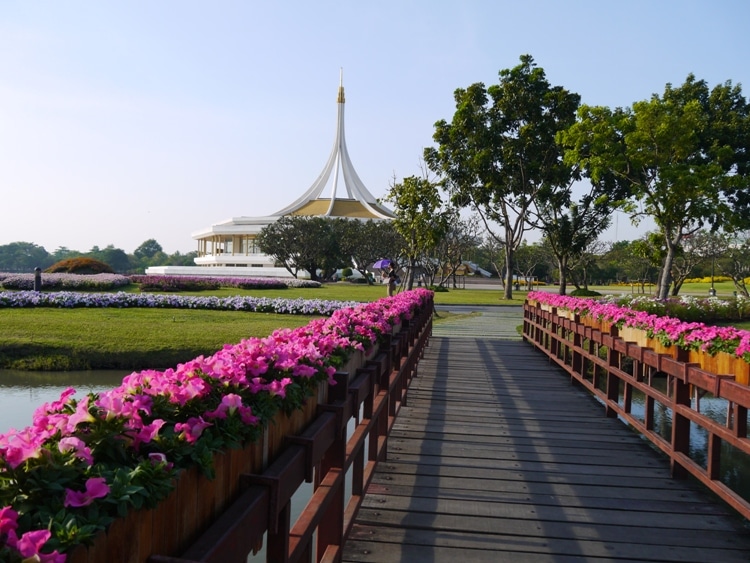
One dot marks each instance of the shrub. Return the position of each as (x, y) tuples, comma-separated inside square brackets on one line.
[(80, 265), (584, 293), (346, 273)]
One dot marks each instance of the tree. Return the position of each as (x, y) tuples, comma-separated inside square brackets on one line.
[(301, 243), (585, 262), (420, 219), (365, 242), (147, 249), (571, 227), (23, 257), (499, 156), (683, 157), (694, 250), (461, 236), (529, 257), (734, 259)]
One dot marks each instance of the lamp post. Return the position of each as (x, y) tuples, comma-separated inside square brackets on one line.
[(712, 291)]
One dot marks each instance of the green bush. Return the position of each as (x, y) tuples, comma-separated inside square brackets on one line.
[(584, 293), (346, 273)]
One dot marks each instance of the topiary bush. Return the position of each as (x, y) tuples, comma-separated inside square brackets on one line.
[(584, 293), (80, 265)]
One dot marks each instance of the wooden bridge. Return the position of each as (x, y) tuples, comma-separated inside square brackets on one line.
[(497, 457)]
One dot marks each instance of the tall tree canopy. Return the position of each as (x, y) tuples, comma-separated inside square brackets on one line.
[(301, 243), (684, 157), (498, 155), (420, 219)]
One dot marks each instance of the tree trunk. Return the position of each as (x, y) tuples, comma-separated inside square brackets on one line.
[(665, 280), (562, 266), (410, 274), (508, 293)]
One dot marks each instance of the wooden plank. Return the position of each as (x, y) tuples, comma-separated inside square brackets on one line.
[(369, 543)]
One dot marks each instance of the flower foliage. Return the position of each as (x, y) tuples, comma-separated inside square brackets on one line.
[(85, 461), (193, 283), (71, 282), (651, 316), (67, 299)]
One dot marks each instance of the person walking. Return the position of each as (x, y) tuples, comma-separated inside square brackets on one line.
[(392, 280)]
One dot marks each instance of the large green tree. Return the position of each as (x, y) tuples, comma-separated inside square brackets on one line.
[(23, 257), (498, 155), (683, 156), (420, 219), (365, 242), (302, 243)]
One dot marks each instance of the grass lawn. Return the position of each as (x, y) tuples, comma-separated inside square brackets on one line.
[(72, 339), (344, 291)]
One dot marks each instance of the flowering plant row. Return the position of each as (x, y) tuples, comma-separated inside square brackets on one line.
[(668, 330), (64, 281), (66, 299), (687, 307), (102, 282), (85, 461), (192, 283)]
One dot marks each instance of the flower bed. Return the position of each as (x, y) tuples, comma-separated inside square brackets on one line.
[(194, 283), (85, 461), (98, 282), (67, 299), (669, 331)]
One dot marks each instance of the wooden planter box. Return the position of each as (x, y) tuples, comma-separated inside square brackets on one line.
[(722, 363)]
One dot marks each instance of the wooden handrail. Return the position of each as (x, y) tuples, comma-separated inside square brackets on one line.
[(324, 454), (611, 368)]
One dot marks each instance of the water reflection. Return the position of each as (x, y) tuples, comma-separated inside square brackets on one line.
[(735, 465), (21, 392)]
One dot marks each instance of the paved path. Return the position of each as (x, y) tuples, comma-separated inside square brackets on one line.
[(492, 322)]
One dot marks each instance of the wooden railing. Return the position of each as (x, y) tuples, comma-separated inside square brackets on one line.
[(611, 367), (337, 452)]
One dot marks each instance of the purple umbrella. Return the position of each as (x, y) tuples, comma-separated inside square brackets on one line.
[(381, 264)]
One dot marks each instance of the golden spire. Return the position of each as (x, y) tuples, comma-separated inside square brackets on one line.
[(341, 99)]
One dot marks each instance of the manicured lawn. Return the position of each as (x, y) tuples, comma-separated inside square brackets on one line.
[(72, 339), (344, 291)]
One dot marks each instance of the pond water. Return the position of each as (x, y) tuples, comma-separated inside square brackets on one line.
[(735, 465), (21, 392)]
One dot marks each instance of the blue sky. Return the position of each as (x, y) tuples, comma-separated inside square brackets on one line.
[(125, 121)]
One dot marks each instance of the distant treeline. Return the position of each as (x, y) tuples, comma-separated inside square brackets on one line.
[(25, 256)]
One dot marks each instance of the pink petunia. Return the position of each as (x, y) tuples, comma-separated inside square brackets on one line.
[(192, 429), (96, 487), (8, 519), (80, 448)]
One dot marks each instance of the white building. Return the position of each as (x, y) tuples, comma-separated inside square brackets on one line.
[(230, 247)]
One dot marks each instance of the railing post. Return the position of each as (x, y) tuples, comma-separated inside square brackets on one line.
[(613, 382), (680, 426)]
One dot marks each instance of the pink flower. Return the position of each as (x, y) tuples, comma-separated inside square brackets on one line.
[(81, 415), (30, 544), (157, 458), (79, 446), (279, 387), (8, 520), (192, 429), (96, 487), (17, 447)]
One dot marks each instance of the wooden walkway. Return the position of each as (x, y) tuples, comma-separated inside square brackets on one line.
[(497, 457)]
